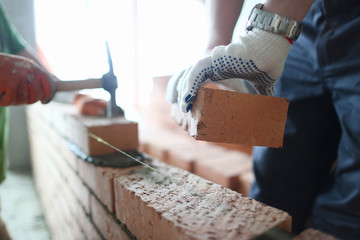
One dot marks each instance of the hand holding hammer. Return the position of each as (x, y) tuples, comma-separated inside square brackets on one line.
[(23, 81)]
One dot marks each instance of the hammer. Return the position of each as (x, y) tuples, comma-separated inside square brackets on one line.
[(107, 82)]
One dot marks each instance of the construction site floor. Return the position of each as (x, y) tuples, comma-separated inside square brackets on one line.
[(20, 207)]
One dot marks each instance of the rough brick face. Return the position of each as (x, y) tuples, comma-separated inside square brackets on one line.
[(107, 225), (171, 204), (231, 117)]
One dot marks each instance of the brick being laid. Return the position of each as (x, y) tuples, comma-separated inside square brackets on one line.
[(238, 118), (118, 131), (170, 203)]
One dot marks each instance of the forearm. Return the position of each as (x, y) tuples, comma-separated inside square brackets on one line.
[(295, 10), (223, 15), (222, 18)]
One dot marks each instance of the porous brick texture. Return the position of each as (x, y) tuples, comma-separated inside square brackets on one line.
[(169, 203), (83, 201), (230, 117)]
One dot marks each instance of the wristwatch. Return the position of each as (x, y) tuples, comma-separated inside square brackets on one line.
[(274, 23)]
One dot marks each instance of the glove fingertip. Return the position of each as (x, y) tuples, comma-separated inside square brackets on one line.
[(183, 108), (189, 107)]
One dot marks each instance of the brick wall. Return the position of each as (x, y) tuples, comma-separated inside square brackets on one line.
[(194, 193), (82, 201)]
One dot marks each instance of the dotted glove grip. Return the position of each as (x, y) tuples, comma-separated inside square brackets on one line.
[(258, 57)]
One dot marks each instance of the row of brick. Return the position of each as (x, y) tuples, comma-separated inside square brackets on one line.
[(82, 201), (230, 168), (75, 207)]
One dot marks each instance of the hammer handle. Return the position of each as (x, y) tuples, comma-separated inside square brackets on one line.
[(78, 85)]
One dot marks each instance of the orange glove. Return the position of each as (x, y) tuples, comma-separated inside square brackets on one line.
[(23, 81)]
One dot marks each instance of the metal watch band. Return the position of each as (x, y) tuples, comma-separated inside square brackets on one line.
[(274, 23)]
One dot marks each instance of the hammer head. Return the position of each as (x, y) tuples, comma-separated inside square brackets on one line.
[(110, 84), (109, 81)]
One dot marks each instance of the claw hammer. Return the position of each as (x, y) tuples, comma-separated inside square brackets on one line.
[(108, 82)]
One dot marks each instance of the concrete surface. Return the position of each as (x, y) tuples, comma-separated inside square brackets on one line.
[(21, 209)]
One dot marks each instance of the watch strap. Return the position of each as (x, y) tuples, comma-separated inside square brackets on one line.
[(274, 23)]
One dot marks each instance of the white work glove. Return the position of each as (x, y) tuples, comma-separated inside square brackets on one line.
[(258, 57)]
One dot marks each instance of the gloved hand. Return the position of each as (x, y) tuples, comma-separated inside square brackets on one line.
[(23, 81), (258, 57)]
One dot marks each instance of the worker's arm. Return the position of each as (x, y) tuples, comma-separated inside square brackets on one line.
[(23, 81), (295, 10), (222, 17), (258, 57)]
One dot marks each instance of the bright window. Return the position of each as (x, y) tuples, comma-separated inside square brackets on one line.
[(147, 38)]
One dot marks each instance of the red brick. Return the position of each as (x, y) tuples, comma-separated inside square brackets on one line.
[(62, 118), (79, 190), (105, 222), (223, 168), (87, 227), (158, 150), (245, 180), (182, 158), (313, 234), (170, 203), (117, 131), (55, 152), (231, 117), (159, 142), (52, 137), (53, 114), (67, 155), (100, 181)]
